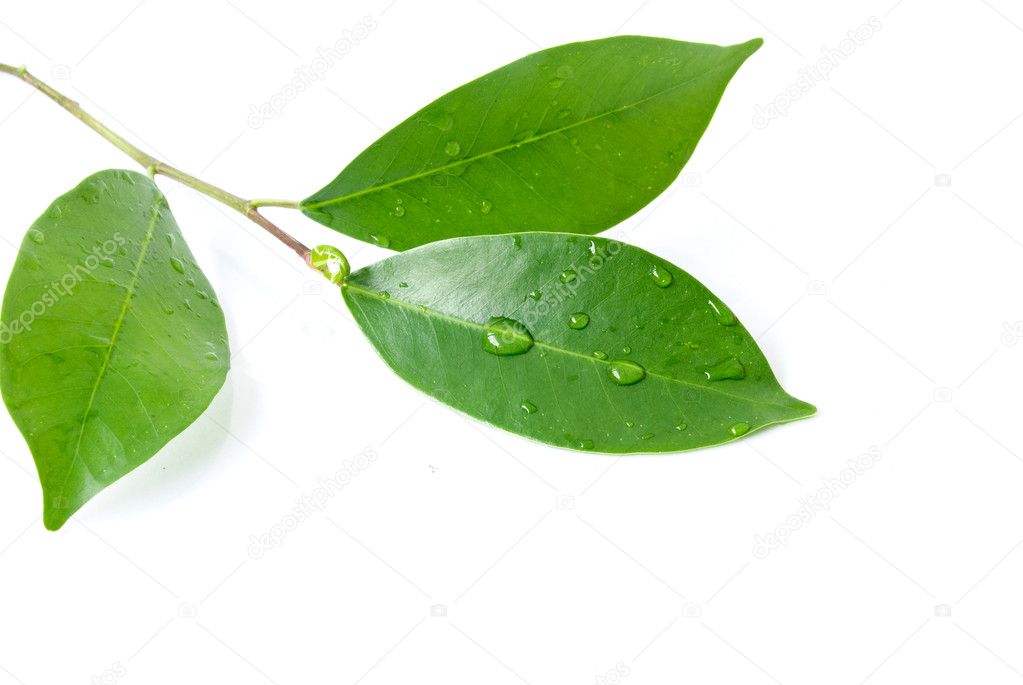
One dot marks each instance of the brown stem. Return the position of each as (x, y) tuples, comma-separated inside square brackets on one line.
[(155, 166)]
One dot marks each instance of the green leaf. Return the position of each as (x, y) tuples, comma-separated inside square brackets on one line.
[(578, 342), (112, 341), (572, 139)]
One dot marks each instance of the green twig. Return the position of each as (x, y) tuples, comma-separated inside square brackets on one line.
[(250, 208)]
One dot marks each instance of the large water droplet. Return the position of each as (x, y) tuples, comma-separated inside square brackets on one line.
[(177, 264), (730, 369), (535, 295), (486, 206), (567, 276), (578, 320), (528, 407), (624, 372), (737, 429), (661, 276), (579, 444), (722, 313), (399, 211), (452, 148), (503, 336), (36, 236), (381, 240), (600, 355)]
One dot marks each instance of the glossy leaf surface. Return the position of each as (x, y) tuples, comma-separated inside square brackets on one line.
[(578, 342), (112, 339), (571, 139)]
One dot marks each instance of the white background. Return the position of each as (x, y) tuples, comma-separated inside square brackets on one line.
[(871, 238)]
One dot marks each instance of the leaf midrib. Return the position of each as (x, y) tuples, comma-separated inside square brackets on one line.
[(118, 323), (561, 350), (505, 148)]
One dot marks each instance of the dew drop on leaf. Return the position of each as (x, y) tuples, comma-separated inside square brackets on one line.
[(681, 427), (536, 295), (36, 236), (722, 313), (729, 369), (624, 372), (452, 148), (528, 407), (503, 336), (646, 436), (737, 429), (600, 355), (177, 265), (661, 276), (486, 206), (381, 240), (399, 211), (578, 320), (567, 276)]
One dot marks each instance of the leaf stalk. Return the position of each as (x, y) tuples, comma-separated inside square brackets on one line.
[(249, 208)]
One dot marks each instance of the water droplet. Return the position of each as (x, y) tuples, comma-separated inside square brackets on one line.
[(381, 240), (528, 407), (578, 320), (730, 369), (212, 356), (452, 148), (399, 211), (681, 427), (167, 309), (536, 295), (626, 373), (563, 113), (106, 261), (171, 239), (738, 429), (600, 355), (202, 295), (556, 83), (384, 295), (646, 436), (565, 71), (722, 313), (503, 336), (626, 350), (568, 276), (36, 236), (178, 265), (517, 241), (403, 284), (662, 277), (486, 206), (580, 444)]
